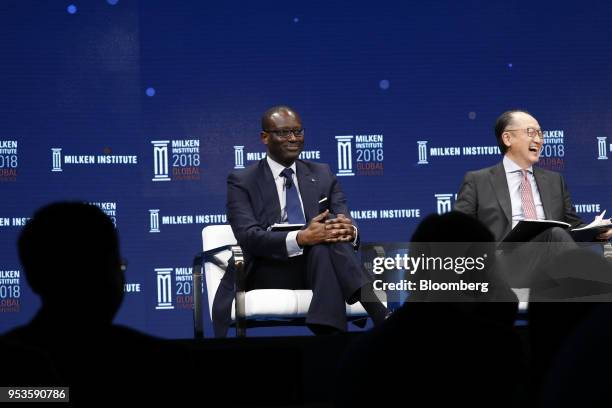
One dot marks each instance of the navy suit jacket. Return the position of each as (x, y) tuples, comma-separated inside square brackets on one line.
[(253, 206), (485, 195)]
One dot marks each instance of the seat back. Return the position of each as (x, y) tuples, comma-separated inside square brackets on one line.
[(213, 237)]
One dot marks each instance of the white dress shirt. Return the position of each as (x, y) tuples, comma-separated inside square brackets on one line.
[(293, 249), (514, 175)]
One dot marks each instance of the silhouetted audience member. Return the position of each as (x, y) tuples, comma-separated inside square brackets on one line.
[(25, 365), (70, 255), (579, 374), (457, 235), (570, 289), (434, 351)]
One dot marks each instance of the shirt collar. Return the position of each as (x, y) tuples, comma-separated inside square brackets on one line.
[(512, 167), (277, 168)]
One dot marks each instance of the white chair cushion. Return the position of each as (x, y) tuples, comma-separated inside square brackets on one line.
[(276, 303), (284, 303)]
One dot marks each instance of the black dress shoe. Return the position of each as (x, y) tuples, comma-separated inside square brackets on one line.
[(323, 330), (361, 322)]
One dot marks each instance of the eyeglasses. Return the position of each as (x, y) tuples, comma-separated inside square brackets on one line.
[(531, 132), (284, 133)]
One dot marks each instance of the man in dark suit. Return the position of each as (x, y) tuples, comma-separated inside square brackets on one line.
[(320, 256), (502, 195)]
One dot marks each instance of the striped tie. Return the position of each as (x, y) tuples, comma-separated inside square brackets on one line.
[(529, 210)]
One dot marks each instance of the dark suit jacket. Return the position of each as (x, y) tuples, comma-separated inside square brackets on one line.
[(253, 205), (485, 195)]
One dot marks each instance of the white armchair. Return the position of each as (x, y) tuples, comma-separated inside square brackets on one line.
[(255, 308)]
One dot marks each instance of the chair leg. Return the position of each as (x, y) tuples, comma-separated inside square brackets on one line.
[(240, 291), (198, 318), (240, 314)]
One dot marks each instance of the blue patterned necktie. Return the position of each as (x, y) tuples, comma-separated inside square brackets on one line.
[(295, 215)]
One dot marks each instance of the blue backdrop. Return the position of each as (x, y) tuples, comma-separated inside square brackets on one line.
[(143, 108)]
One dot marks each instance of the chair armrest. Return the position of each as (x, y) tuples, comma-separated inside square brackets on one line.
[(198, 274), (238, 257)]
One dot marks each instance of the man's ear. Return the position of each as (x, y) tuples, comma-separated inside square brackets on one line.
[(264, 137), (506, 137)]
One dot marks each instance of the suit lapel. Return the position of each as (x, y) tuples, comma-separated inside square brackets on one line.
[(500, 186), (308, 190), (267, 190), (542, 183)]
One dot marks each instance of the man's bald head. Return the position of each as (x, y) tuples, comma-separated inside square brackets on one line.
[(283, 134), (267, 120)]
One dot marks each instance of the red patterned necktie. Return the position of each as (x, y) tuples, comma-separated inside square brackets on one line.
[(529, 210)]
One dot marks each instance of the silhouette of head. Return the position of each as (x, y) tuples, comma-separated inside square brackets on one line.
[(456, 247), (452, 226), (454, 233), (70, 254)]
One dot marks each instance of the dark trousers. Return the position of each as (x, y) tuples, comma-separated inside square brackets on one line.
[(332, 271), (522, 266)]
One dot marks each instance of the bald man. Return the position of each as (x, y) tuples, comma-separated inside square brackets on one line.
[(321, 255)]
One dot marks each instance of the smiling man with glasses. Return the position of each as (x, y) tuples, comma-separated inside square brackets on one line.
[(515, 189), (320, 256)]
